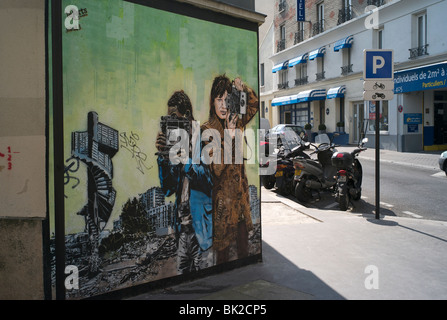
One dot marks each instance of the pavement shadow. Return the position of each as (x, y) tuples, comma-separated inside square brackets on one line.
[(367, 209), (280, 270), (289, 282), (390, 223)]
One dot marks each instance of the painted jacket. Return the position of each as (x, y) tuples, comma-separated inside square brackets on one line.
[(230, 195), (200, 184)]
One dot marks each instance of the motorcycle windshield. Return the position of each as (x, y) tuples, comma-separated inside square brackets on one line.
[(322, 138), (291, 140)]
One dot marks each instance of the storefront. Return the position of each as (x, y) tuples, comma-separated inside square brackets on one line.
[(298, 109), (421, 103)]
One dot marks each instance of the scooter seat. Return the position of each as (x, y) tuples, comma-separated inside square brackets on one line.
[(314, 163)]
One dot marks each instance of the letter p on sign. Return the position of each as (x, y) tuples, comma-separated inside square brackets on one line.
[(378, 63)]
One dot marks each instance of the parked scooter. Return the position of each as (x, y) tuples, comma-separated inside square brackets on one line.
[(317, 175), (292, 146), (349, 176)]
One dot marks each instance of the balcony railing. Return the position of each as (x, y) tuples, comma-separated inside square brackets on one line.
[(318, 27), (284, 85), (346, 69), (281, 45), (376, 3), (301, 81), (282, 6), (299, 36), (344, 15), (419, 51), (319, 76)]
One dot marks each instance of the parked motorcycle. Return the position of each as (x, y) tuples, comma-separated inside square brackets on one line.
[(316, 175), (292, 146), (349, 175)]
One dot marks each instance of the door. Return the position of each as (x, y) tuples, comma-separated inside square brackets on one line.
[(440, 122), (287, 117), (357, 122)]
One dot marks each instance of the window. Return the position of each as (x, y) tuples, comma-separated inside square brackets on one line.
[(347, 65), (320, 68), (283, 82), (299, 35), (320, 15), (422, 30), (301, 74), (383, 116), (345, 14), (380, 39), (282, 38), (262, 75), (420, 43), (318, 27)]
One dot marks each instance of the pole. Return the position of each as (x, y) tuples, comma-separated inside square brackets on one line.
[(377, 161)]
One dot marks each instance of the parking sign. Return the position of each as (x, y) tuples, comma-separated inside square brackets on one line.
[(378, 75), (378, 64)]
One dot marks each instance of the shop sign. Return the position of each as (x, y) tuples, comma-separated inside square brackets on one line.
[(412, 118), (423, 78)]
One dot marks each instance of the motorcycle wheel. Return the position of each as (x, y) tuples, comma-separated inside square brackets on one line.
[(268, 183), (343, 199), (302, 193), (357, 196), (284, 190), (358, 173)]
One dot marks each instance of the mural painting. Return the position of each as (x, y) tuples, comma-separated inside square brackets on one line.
[(160, 178)]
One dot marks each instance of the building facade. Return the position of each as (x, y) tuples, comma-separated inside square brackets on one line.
[(314, 73)]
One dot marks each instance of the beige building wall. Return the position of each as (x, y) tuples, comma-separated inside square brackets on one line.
[(22, 148)]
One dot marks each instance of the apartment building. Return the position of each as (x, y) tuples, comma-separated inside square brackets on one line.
[(312, 70)]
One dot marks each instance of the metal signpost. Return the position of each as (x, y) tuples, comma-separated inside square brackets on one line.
[(378, 85)]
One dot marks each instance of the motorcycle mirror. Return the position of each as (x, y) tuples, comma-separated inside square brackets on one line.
[(364, 140)]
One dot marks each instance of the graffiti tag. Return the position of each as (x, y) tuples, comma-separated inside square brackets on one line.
[(129, 142), (8, 156)]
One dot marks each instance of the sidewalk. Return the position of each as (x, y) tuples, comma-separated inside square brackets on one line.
[(427, 160), (333, 255)]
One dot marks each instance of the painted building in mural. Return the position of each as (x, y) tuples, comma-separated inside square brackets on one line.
[(142, 100)]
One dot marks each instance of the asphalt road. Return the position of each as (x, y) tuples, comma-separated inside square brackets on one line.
[(404, 191)]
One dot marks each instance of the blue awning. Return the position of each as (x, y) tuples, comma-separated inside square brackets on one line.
[(298, 60), (337, 92), (344, 43), (311, 95), (282, 101), (280, 66), (304, 96), (317, 53)]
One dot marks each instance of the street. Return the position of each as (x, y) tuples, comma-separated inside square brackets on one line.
[(405, 191)]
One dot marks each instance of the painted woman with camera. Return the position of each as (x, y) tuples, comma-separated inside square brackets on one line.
[(232, 220)]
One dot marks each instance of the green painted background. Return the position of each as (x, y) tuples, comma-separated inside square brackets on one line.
[(124, 63)]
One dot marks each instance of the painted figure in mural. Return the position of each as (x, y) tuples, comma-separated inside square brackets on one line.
[(232, 220), (191, 184)]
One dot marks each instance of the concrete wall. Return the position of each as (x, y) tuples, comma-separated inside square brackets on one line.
[(22, 142)]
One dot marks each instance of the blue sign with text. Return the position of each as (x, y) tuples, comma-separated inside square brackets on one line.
[(423, 78), (300, 10), (378, 64), (413, 118)]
